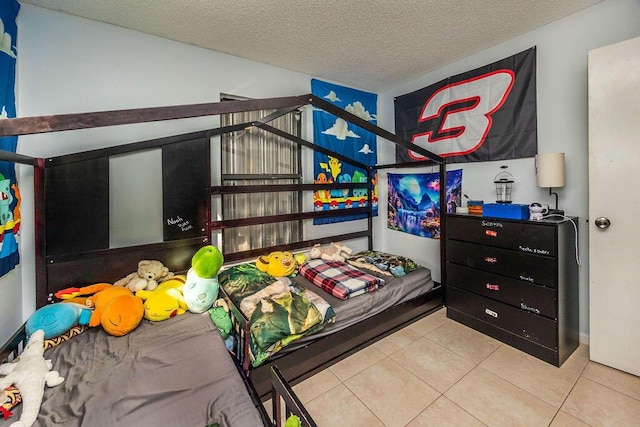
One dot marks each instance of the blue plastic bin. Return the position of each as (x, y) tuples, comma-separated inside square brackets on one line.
[(503, 210)]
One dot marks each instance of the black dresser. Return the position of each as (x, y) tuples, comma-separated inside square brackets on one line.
[(515, 280)]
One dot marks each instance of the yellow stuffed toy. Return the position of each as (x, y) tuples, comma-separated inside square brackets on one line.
[(165, 301), (277, 264), (115, 308)]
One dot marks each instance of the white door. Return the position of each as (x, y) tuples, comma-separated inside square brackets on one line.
[(614, 205)]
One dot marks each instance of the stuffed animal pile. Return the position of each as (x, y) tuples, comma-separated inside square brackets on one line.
[(30, 375)]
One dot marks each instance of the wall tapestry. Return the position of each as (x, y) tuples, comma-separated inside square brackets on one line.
[(9, 194), (485, 114), (414, 201), (344, 138)]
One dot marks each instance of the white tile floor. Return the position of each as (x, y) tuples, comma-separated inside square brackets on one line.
[(437, 372)]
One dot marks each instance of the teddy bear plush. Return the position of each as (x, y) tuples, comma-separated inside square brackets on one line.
[(333, 252), (150, 273), (30, 375)]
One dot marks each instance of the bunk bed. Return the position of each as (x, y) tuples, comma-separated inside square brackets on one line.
[(73, 189)]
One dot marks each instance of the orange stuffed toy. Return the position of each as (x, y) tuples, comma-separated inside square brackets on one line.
[(115, 308)]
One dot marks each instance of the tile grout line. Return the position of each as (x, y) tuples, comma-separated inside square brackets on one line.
[(358, 397), (606, 385), (567, 396)]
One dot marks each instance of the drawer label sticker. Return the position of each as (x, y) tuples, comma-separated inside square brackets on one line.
[(524, 306), (491, 233), (528, 279), (492, 224), (491, 259), (491, 312), (533, 250), (492, 287)]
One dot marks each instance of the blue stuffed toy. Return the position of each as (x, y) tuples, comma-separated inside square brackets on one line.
[(56, 319)]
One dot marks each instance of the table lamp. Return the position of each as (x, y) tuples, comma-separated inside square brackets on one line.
[(550, 173)]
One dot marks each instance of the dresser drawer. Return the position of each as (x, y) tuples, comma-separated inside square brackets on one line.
[(518, 265), (526, 237), (536, 299), (532, 327)]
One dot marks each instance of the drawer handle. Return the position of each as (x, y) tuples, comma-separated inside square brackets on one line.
[(491, 259), (492, 287), (491, 312)]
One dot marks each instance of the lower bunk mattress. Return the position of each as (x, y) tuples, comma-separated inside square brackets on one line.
[(177, 372), (353, 310), (288, 324)]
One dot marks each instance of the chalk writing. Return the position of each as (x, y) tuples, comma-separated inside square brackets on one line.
[(184, 225)]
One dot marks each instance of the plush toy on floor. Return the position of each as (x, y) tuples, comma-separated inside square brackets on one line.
[(333, 252), (30, 375), (115, 308), (201, 287), (150, 273)]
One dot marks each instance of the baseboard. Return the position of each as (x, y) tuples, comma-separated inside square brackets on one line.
[(584, 338)]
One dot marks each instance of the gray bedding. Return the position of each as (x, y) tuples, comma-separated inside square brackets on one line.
[(353, 310), (171, 373)]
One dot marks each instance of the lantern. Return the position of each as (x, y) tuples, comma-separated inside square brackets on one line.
[(503, 182)]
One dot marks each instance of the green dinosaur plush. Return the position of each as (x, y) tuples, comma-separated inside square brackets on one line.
[(219, 314), (293, 421), (206, 262)]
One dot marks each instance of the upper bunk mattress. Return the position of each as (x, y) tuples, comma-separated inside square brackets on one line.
[(174, 372)]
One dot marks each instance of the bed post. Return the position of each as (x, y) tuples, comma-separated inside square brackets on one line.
[(370, 205), (40, 234), (443, 224)]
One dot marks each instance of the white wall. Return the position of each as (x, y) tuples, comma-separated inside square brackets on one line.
[(68, 64), (562, 49)]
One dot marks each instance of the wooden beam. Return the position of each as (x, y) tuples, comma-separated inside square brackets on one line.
[(62, 122)]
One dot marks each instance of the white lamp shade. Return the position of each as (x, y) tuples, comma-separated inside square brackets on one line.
[(550, 170)]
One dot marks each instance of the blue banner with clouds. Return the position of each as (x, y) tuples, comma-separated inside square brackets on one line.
[(349, 140)]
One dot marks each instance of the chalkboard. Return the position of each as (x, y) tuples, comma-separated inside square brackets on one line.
[(186, 180)]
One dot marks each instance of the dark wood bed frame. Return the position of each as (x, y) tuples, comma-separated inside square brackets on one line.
[(73, 189)]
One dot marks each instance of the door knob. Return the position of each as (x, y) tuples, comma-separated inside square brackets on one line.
[(602, 222)]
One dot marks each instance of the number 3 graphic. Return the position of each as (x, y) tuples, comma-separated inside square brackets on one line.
[(464, 128)]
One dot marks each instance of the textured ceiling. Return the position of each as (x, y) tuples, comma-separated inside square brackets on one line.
[(372, 45)]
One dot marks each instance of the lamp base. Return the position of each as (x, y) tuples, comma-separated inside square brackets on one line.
[(555, 212)]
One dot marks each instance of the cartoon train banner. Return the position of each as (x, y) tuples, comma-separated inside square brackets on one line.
[(324, 200)]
